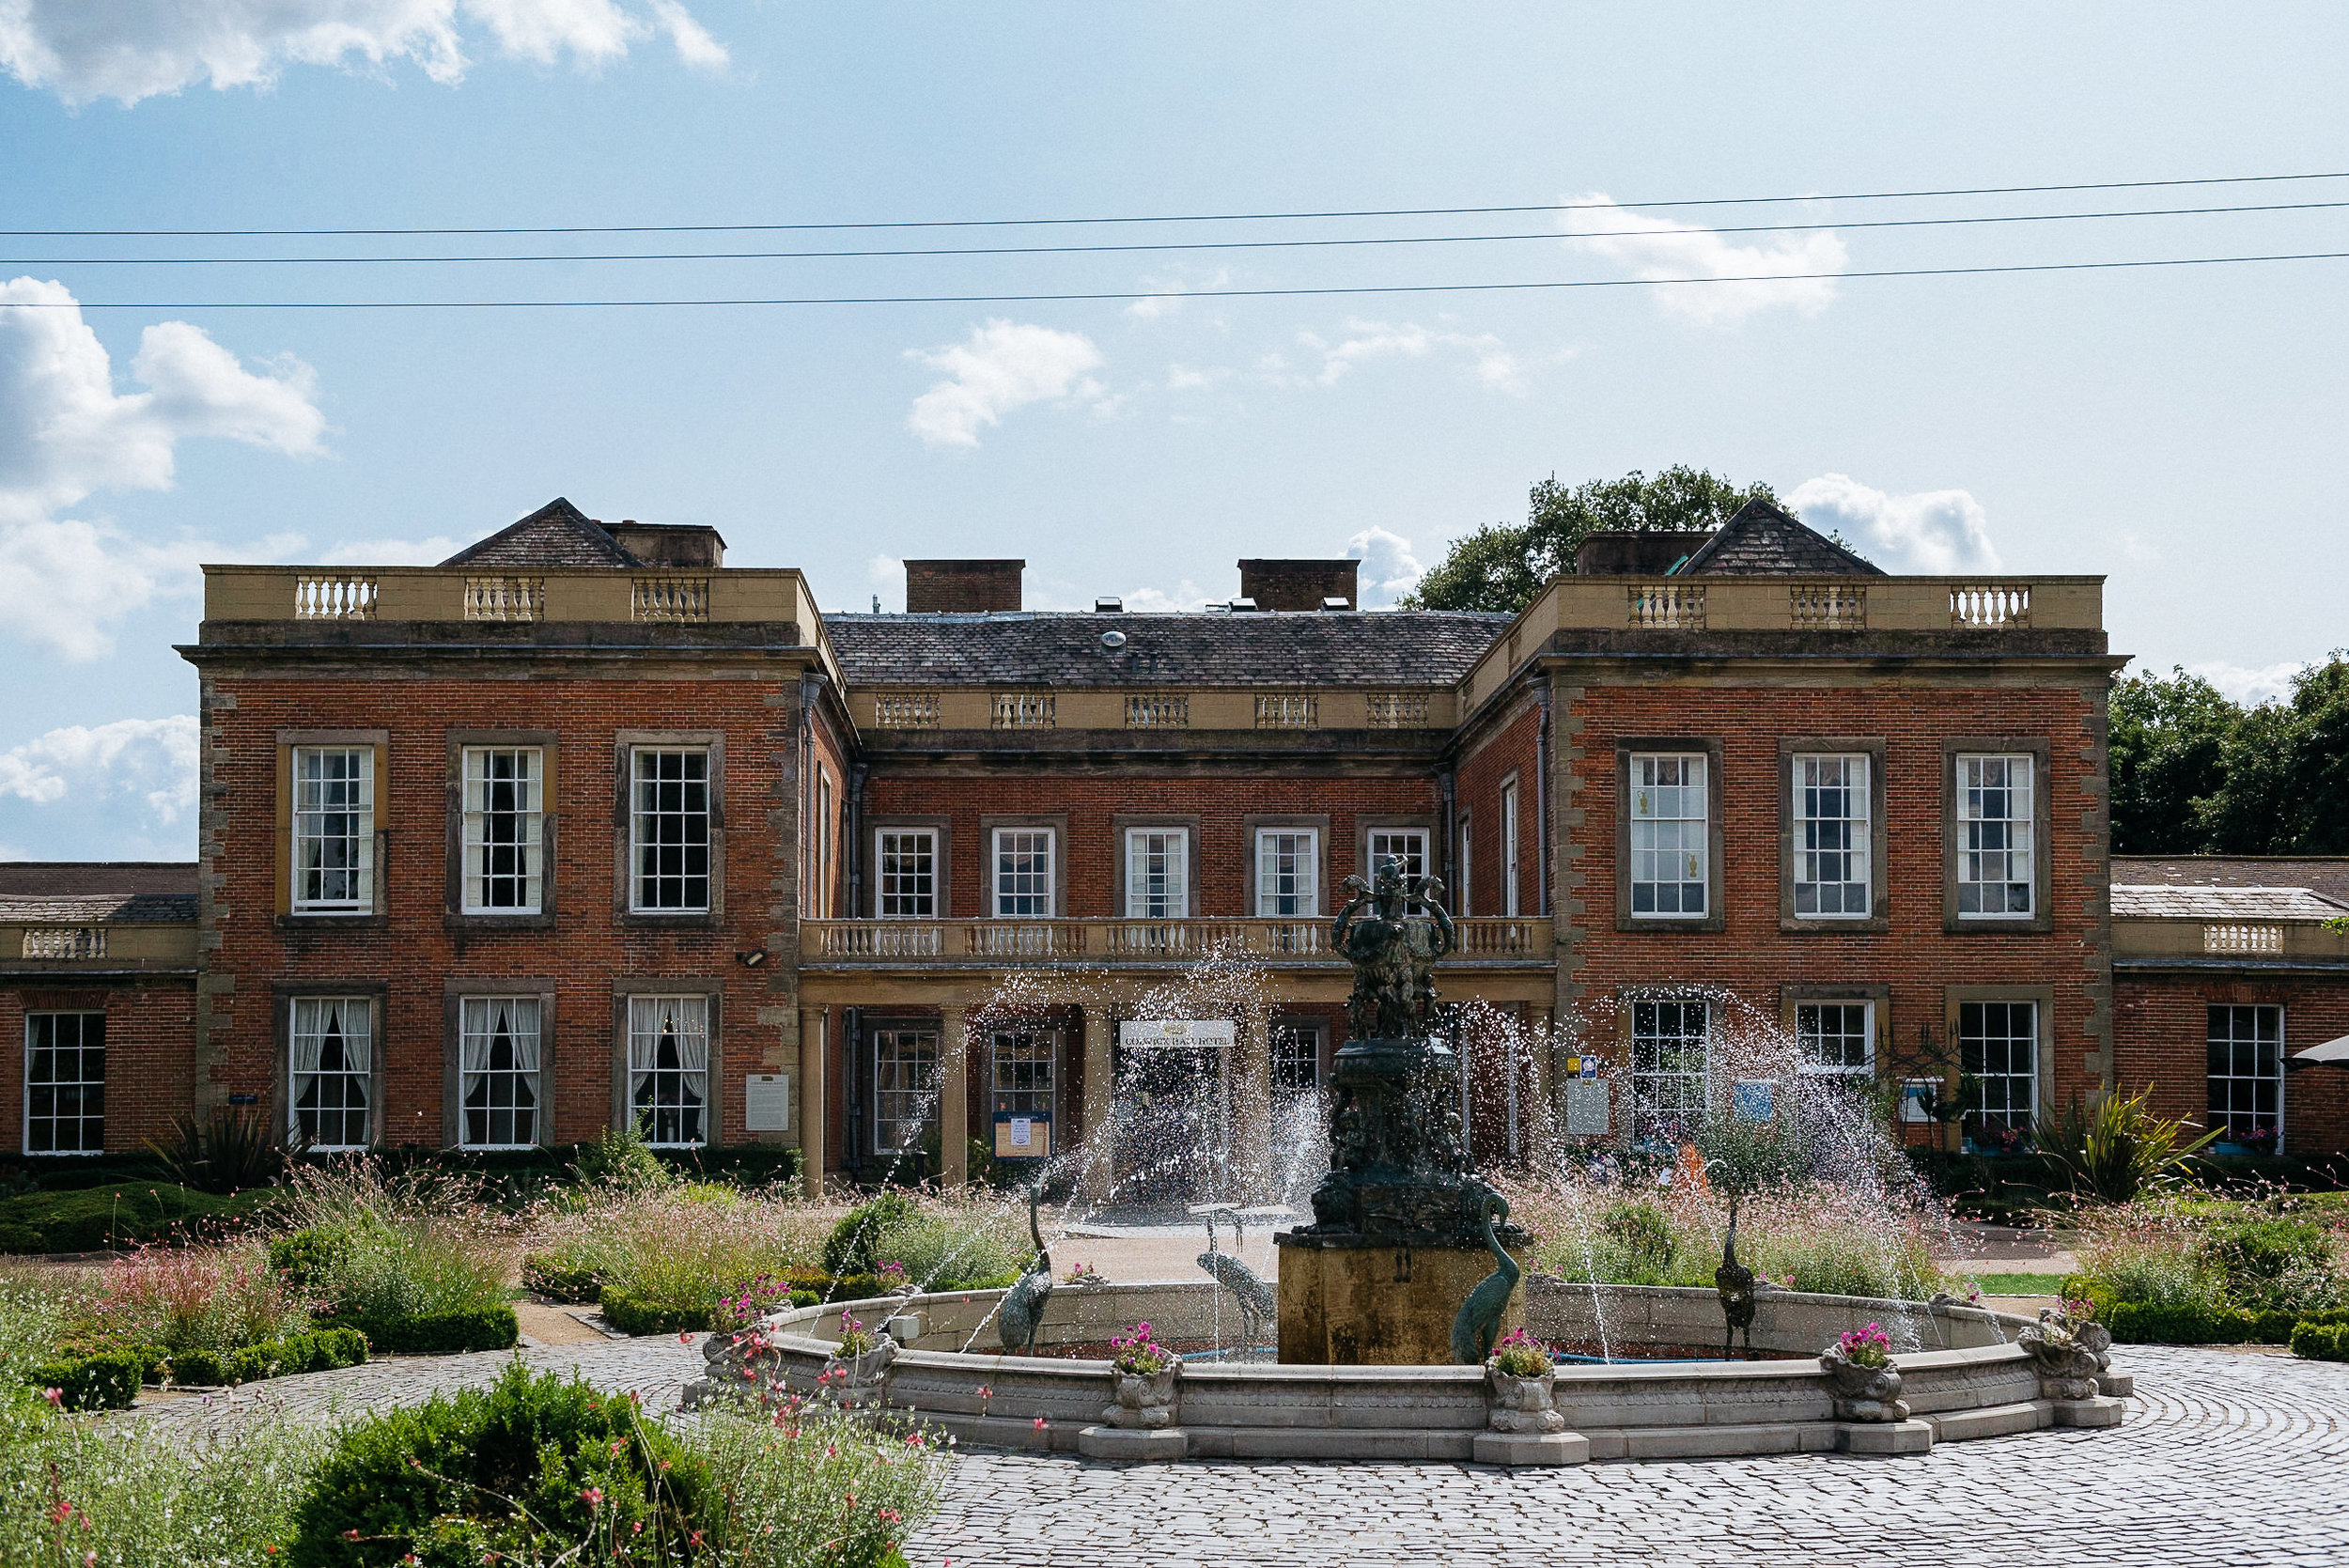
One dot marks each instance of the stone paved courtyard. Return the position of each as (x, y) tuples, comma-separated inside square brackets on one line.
[(2228, 1457)]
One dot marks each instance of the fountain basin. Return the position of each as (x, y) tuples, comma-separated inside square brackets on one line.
[(1966, 1378)]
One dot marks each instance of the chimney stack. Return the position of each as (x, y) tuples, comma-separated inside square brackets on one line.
[(670, 544), (1297, 584), (962, 588)]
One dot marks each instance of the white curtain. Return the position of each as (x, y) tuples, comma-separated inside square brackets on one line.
[(318, 1019), (683, 1020), (482, 1019)]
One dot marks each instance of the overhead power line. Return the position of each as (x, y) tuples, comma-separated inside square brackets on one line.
[(1159, 218), (1129, 295), (1162, 246)]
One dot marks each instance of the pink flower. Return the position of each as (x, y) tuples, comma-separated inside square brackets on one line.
[(1039, 1423), (55, 1396), (592, 1497)]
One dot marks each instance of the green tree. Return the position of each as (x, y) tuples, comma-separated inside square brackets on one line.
[(1503, 565), (2286, 773), (2169, 742)]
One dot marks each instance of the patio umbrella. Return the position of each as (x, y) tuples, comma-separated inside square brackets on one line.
[(2332, 1053)]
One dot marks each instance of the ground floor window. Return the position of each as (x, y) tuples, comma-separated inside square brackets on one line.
[(1022, 1078), (668, 1068), (332, 1081), (65, 1084), (2247, 1076), (498, 1071), (1296, 1058), (1998, 1050), (1836, 1037), (1669, 1076), (904, 1088)]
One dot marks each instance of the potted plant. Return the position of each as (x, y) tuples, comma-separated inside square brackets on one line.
[(1867, 1384), (2068, 1347), (1143, 1371), (1523, 1380), (857, 1362)]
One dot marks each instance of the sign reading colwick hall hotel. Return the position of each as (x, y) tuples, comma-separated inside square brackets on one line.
[(1144, 1034)]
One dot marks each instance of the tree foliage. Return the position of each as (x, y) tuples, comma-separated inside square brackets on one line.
[(2195, 773), (1503, 565)]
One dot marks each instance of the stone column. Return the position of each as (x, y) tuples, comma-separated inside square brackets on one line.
[(1252, 1108), (954, 1105), (1100, 1092), (814, 1102)]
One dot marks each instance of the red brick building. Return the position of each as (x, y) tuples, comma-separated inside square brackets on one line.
[(584, 827)]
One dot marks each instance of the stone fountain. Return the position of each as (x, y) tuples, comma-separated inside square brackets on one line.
[(1398, 1236)]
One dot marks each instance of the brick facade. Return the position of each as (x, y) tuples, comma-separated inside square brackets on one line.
[(149, 1035)]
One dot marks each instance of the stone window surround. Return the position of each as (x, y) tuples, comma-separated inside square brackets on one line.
[(625, 743), (453, 993), (626, 987), (864, 1071), (983, 1040), (1790, 996), (2044, 1084), (1316, 823), (282, 995), (943, 879), (1365, 824), (2041, 751), (1462, 886), (1621, 1069), (1058, 823), (1716, 915), (453, 915), (379, 916), (1191, 826), (1879, 915)]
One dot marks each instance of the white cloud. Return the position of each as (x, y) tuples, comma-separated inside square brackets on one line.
[(1002, 367), (1187, 596), (85, 50), (1167, 296), (2265, 684), (1388, 568), (887, 574), (148, 758), (1182, 377), (1649, 247), (1365, 342), (67, 434), (1931, 533)]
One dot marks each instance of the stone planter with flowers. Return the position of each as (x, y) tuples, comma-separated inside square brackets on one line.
[(1524, 1380), (1145, 1373), (1867, 1384)]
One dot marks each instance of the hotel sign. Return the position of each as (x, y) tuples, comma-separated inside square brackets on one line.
[(1176, 1033)]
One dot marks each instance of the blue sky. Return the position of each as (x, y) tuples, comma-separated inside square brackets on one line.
[(2167, 428)]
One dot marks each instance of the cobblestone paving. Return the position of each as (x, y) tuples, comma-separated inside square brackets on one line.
[(2226, 1457)]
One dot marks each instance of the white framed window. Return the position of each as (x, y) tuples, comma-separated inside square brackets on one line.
[(2247, 1076), (669, 830), (65, 1084), (1024, 873), (331, 1082), (1832, 835), (1836, 1038), (668, 1070), (822, 900), (334, 829), (1288, 872), (1021, 1075), (1994, 824), (1405, 846), (504, 830), (1671, 1068), (907, 861), (1158, 873), (1669, 835), (1509, 849), (1464, 866), (497, 1064), (904, 1087), (1296, 1058), (1997, 1049)]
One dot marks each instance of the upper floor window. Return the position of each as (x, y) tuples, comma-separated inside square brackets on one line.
[(1023, 872), (65, 1084), (1288, 872), (504, 830), (334, 829), (1832, 835), (908, 862), (497, 1064), (668, 1068), (1668, 831), (2247, 1076), (1462, 866), (1994, 822), (1509, 849), (331, 1062), (822, 900), (1405, 846), (1158, 870), (669, 830)]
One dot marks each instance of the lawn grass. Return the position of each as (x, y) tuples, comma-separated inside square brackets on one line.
[(2021, 1284)]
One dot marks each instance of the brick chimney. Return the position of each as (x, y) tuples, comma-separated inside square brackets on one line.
[(962, 588), (1625, 552), (1297, 584)]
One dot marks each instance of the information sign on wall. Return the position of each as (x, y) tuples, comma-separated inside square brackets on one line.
[(766, 1102), (1146, 1034)]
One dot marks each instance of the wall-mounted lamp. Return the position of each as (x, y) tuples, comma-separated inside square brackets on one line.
[(752, 959)]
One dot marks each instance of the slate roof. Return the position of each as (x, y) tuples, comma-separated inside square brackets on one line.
[(2143, 901), (556, 535), (1372, 648), (2325, 875), (1763, 541), (154, 908), (90, 879)]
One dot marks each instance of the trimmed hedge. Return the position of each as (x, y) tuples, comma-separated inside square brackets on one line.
[(2137, 1322), (439, 1333), (305, 1257), (321, 1351), (2320, 1341), (108, 1381), (99, 1217), (638, 1314), (547, 1274)]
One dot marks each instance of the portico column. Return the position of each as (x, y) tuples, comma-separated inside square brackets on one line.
[(1253, 1109), (814, 1043), (1100, 1090), (954, 1106)]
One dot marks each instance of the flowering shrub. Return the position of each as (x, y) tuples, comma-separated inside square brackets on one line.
[(1518, 1354), (211, 1298), (1866, 1347), (1137, 1355), (855, 1339)]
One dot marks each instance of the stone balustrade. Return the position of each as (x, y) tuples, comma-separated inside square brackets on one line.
[(1483, 941)]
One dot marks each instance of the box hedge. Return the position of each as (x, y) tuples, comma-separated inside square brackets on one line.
[(493, 1327), (638, 1314), (2320, 1341), (321, 1351), (108, 1381), (99, 1218), (2138, 1323)]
